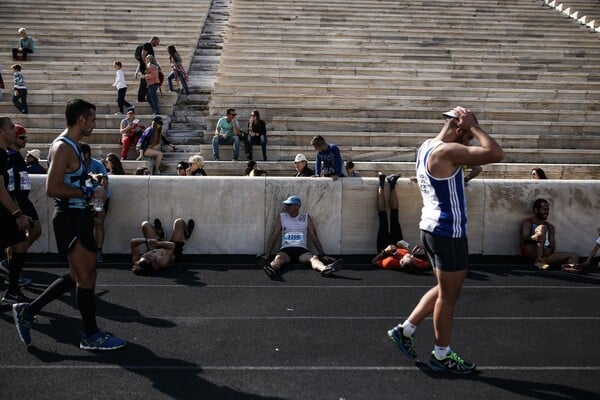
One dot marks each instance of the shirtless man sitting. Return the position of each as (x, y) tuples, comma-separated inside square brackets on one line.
[(159, 253)]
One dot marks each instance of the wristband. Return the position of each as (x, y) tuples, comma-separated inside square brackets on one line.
[(17, 213)]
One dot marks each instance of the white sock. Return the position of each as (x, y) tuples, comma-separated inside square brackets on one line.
[(408, 328), (441, 352)]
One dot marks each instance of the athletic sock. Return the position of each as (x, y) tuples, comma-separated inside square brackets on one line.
[(54, 291), (441, 352), (15, 265), (408, 328), (86, 301)]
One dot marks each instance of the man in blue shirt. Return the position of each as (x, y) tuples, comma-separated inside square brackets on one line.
[(329, 159), (227, 132)]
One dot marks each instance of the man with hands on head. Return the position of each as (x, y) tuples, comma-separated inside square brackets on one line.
[(443, 231)]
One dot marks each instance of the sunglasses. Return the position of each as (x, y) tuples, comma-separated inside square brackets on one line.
[(22, 137)]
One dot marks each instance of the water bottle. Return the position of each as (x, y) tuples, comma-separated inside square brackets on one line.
[(97, 204)]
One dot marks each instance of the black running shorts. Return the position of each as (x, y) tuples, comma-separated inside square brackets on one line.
[(293, 252), (446, 253), (74, 225)]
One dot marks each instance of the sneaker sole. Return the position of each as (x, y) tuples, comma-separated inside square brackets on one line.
[(22, 282), (400, 347), (15, 319), (83, 347), (437, 368), (336, 266)]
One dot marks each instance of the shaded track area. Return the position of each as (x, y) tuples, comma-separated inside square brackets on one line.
[(217, 328)]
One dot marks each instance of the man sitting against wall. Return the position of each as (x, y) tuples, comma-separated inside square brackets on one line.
[(538, 241)]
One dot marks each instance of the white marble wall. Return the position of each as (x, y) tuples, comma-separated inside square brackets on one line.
[(235, 215)]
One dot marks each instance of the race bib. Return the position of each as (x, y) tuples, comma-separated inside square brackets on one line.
[(25, 183), (293, 238), (11, 180)]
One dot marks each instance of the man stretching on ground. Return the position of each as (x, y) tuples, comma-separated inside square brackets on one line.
[(393, 253), (159, 253)]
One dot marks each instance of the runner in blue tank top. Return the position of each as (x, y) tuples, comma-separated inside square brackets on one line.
[(443, 231), (73, 221)]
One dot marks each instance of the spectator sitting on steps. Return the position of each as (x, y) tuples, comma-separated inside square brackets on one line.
[(149, 144)]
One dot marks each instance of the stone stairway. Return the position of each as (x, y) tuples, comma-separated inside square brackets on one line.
[(76, 45), (374, 76), (370, 75), (188, 123)]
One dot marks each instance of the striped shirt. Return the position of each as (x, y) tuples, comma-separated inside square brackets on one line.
[(444, 211)]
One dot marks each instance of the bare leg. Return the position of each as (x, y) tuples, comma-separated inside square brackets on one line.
[(279, 261), (449, 287), (179, 227), (149, 231), (99, 228)]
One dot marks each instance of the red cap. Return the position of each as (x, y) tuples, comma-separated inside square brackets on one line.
[(19, 130)]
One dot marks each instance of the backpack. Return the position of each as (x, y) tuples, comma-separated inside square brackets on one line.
[(138, 52)]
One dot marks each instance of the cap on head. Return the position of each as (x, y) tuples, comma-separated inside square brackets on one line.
[(19, 130), (22, 30), (131, 109), (450, 114), (35, 153), (293, 200), (300, 157)]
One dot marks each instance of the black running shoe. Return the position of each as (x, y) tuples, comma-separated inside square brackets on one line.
[(332, 268), (269, 271), (189, 229), (159, 228), (392, 179), (14, 298), (381, 176), (451, 363)]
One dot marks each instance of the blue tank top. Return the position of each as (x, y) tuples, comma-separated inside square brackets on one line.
[(77, 179), (444, 210)]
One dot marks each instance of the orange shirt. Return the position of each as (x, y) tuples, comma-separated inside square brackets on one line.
[(393, 261)]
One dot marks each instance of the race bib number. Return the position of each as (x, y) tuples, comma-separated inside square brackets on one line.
[(11, 180), (24, 181), (294, 238)]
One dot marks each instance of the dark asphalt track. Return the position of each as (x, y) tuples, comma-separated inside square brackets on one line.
[(216, 328)]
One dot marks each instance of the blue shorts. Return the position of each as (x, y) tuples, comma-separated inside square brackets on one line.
[(446, 253)]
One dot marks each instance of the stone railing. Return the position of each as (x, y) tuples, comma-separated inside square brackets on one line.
[(572, 12), (235, 215)]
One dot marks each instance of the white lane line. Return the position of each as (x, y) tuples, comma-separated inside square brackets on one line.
[(343, 318), (199, 285), (288, 368)]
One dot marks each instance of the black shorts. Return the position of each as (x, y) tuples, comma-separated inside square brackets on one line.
[(28, 208), (446, 253), (74, 225), (9, 232), (293, 252)]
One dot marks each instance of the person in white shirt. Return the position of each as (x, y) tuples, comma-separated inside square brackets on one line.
[(295, 228), (121, 86)]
